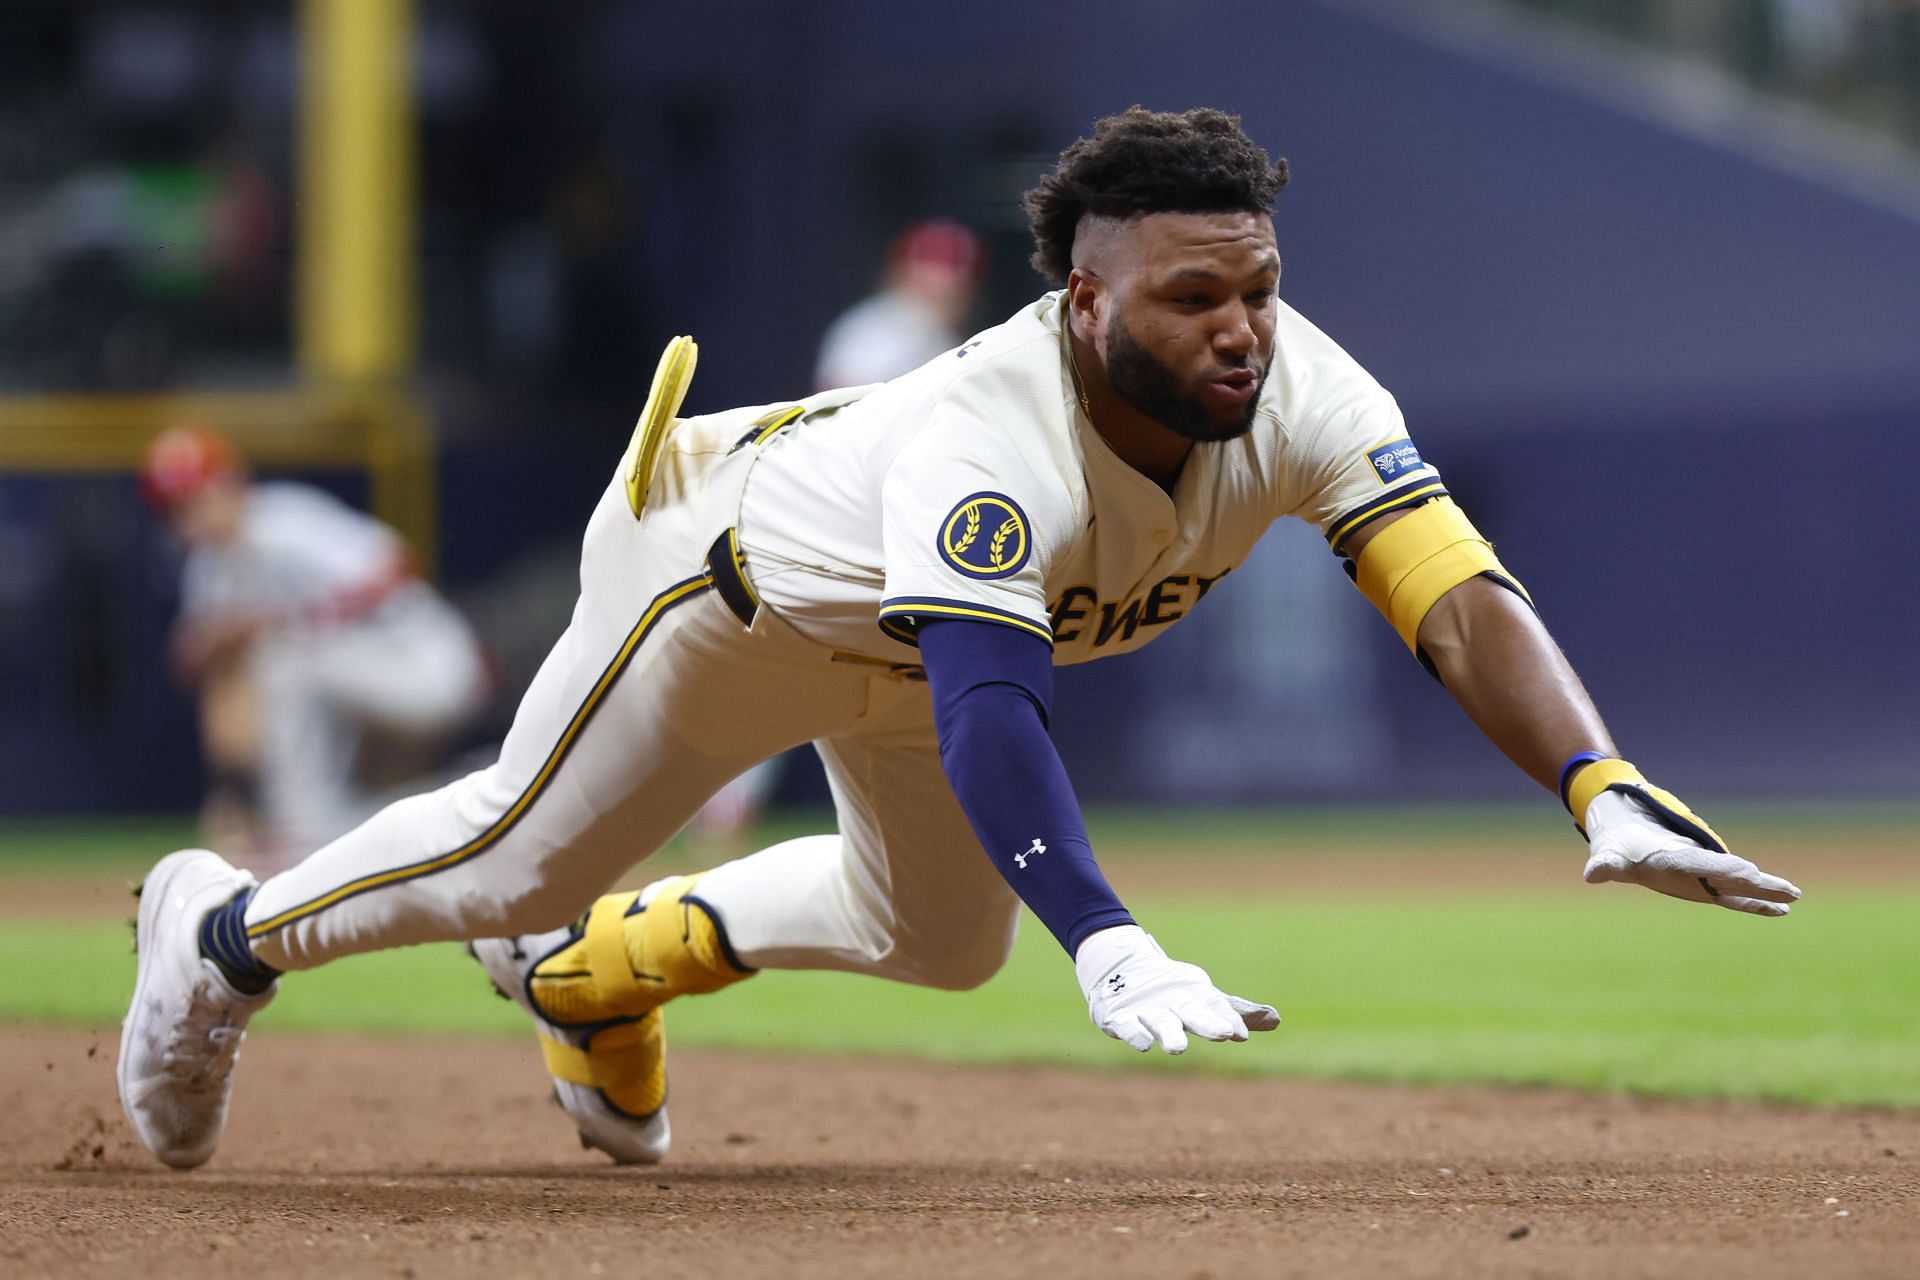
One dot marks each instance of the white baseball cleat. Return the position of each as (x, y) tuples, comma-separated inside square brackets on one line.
[(184, 1028), (626, 1056)]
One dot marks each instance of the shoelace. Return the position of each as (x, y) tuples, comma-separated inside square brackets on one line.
[(205, 1043)]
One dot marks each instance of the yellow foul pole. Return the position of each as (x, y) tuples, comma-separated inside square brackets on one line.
[(356, 311)]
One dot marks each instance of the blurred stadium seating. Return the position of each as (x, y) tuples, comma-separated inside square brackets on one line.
[(1665, 352)]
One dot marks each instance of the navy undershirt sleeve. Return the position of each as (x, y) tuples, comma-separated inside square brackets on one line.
[(992, 689)]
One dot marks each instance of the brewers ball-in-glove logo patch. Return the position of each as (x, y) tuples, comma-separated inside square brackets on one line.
[(986, 536)]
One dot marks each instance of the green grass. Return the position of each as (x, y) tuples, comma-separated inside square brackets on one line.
[(1606, 988), (127, 846), (105, 847)]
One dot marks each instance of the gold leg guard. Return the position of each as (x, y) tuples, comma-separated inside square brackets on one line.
[(627, 1062), (629, 962), (625, 964)]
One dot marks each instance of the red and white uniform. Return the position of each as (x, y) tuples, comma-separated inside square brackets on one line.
[(881, 337), (351, 640)]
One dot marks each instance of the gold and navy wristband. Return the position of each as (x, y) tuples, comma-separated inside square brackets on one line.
[(1586, 780), (1573, 766)]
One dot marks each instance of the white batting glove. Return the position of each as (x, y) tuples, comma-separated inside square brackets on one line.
[(1136, 993), (1631, 844)]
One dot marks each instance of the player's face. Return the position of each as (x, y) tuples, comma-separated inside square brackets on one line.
[(211, 517), (1189, 330)]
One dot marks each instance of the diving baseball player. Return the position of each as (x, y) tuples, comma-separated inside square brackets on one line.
[(892, 572)]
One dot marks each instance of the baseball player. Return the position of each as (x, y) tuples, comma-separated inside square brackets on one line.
[(933, 272), (892, 572), (309, 637)]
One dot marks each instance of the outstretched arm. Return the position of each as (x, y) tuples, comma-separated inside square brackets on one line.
[(992, 687), (1497, 660), (1493, 654)]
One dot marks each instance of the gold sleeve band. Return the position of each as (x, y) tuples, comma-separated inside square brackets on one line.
[(1420, 557)]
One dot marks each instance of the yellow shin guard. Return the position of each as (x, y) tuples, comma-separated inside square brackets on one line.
[(628, 962)]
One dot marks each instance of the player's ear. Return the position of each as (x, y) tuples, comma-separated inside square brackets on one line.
[(1086, 299)]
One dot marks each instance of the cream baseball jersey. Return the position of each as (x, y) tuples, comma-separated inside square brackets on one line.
[(974, 487)]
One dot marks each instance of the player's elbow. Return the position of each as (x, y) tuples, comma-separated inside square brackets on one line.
[(1472, 616), (1446, 633)]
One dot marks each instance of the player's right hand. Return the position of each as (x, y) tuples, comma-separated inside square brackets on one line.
[(1136, 993), (1632, 843)]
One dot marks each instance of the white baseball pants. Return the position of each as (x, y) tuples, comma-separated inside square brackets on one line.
[(654, 697)]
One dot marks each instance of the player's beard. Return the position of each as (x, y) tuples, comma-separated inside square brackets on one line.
[(1150, 386)]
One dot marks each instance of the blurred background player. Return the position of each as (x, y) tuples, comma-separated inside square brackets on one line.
[(325, 668), (923, 307)]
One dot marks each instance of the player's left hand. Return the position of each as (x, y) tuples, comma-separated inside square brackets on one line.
[(1138, 994), (1631, 843)]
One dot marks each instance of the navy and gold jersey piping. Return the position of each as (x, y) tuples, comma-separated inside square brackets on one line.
[(901, 617), (677, 594), (1407, 495)]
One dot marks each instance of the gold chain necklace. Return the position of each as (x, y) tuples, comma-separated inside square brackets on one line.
[(1073, 369)]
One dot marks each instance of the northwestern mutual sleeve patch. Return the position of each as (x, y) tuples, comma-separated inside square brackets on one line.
[(1394, 459)]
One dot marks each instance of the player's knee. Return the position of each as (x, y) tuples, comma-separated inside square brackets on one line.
[(967, 964), (534, 908), (964, 977)]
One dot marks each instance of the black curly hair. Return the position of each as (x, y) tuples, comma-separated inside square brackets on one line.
[(1140, 162)]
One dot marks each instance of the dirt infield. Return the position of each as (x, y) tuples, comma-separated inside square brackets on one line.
[(410, 1158)]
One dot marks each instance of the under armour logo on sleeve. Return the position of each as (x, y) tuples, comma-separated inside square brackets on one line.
[(1036, 851)]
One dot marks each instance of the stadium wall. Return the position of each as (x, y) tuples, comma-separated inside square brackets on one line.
[(1676, 379)]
